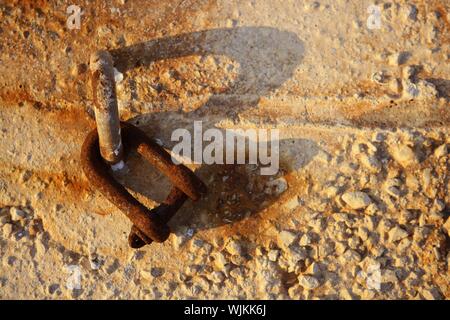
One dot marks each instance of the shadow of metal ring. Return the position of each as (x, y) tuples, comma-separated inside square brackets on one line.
[(148, 225)]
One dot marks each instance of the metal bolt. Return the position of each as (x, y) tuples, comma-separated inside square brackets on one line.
[(106, 142), (106, 109)]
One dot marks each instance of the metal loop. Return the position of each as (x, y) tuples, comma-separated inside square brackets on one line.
[(148, 225)]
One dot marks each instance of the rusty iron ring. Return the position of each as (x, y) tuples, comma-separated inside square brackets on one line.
[(148, 225)]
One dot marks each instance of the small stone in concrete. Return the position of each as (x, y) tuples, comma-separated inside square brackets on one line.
[(234, 248), (273, 255), (17, 214), (95, 262), (331, 192), (404, 155), (295, 292), (41, 249), (146, 274), (217, 277), (370, 162), (346, 294), (354, 242), (292, 203), (393, 191), (276, 187), (441, 151), (439, 205), (156, 272), (412, 182), (313, 269), (219, 260), (371, 209), (308, 282), (379, 77), (149, 274), (7, 230), (370, 223), (340, 247), (305, 240), (351, 256), (378, 137), (397, 233), (356, 200), (286, 238)]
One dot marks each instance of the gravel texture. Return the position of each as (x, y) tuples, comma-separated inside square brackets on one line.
[(358, 210)]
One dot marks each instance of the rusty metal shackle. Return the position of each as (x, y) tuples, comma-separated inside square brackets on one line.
[(109, 144)]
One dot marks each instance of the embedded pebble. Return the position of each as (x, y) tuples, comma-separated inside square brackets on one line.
[(404, 155), (412, 182), (146, 274), (216, 277), (273, 255), (422, 90), (286, 238), (397, 233), (409, 12), (308, 282), (441, 151), (356, 200), (379, 77), (292, 203), (220, 260), (41, 248), (313, 269), (305, 240), (393, 191), (118, 76), (234, 248), (7, 230), (331, 192), (371, 163), (276, 187), (151, 273), (17, 214), (95, 262)]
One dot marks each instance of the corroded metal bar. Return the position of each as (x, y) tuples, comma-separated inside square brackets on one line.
[(148, 225), (165, 212), (99, 177), (106, 108), (180, 176)]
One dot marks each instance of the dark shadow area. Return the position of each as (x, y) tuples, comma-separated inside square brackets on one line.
[(442, 86), (235, 191), (267, 58)]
